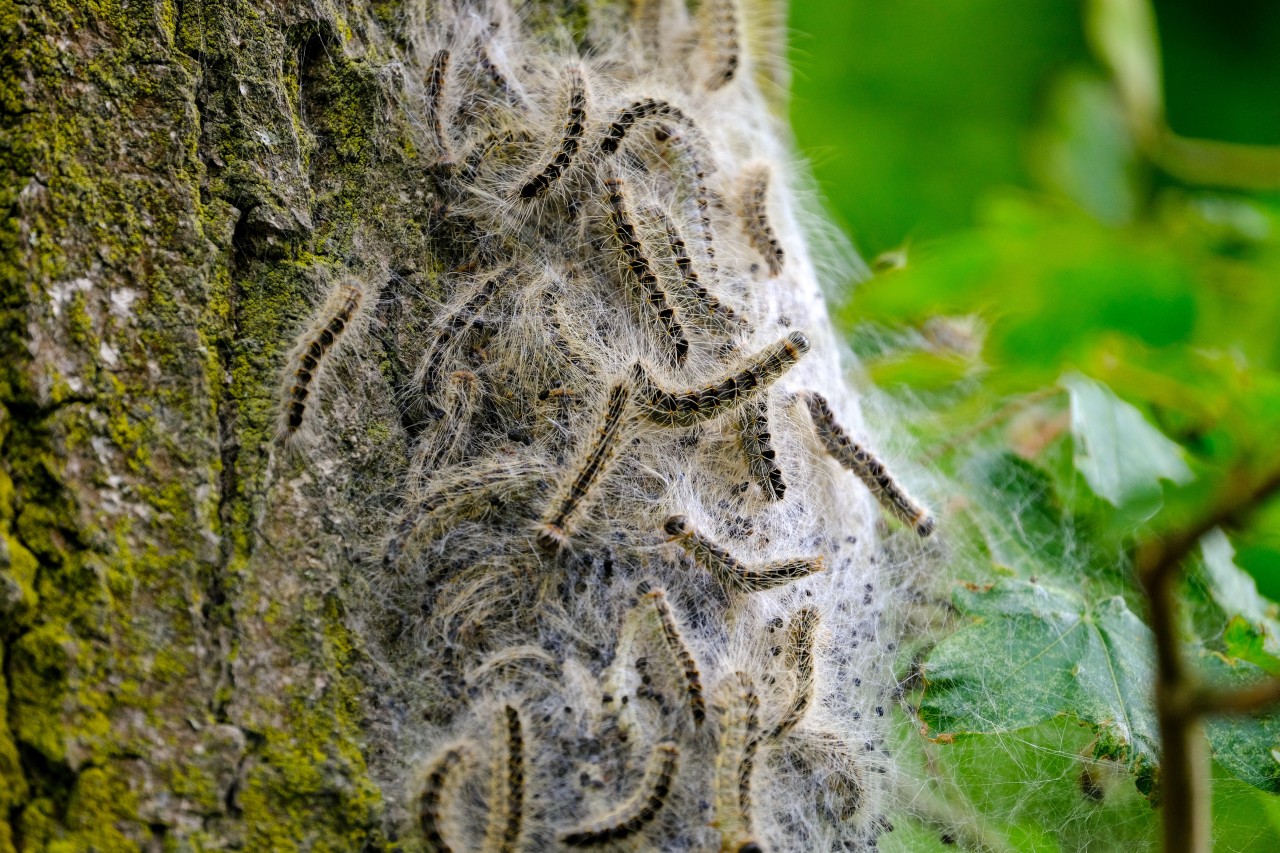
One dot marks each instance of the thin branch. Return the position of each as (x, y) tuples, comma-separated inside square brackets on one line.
[(1163, 557), (1245, 700), (1179, 702)]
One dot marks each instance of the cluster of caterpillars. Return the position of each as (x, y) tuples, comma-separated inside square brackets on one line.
[(606, 300), (740, 735)]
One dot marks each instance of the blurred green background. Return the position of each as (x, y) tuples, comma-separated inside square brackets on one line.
[(1072, 213), (911, 111)]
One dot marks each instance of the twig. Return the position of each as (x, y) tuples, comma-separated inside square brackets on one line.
[(1242, 701), (1180, 702)]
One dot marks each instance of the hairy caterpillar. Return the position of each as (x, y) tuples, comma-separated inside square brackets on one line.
[(313, 352), (728, 570), (554, 532), (801, 635), (755, 216), (640, 808), (868, 468), (753, 433), (686, 408), (442, 445), (494, 74), (633, 113), (633, 250), (431, 802), (570, 139), (506, 806), (690, 170), (428, 374), (735, 764), (838, 774), (720, 41), (712, 307), (680, 652), (437, 86)]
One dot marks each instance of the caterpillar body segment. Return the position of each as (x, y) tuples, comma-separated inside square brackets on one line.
[(801, 638), (755, 216), (837, 771), (689, 164), (691, 407), (311, 358), (454, 326), (638, 262), (757, 446), (731, 572), (507, 799), (437, 107), (640, 809), (570, 140), (433, 819), (634, 113), (680, 652), (722, 315), (647, 18), (720, 42), (870, 470), (554, 531), (735, 764), (491, 72)]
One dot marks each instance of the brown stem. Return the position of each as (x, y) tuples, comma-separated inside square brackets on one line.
[(1243, 701), (1179, 702)]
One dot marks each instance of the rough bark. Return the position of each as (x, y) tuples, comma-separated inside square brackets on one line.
[(199, 650)]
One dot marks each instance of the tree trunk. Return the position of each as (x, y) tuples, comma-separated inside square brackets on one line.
[(317, 319)]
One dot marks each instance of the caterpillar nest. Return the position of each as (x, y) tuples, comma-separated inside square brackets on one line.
[(622, 584)]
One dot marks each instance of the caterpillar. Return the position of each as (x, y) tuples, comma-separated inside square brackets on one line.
[(690, 171), (720, 41), (868, 468), (554, 531), (506, 806), (753, 434), (437, 85), (722, 314), (312, 354), (570, 139), (431, 817), (491, 72), (443, 444), (729, 571), (428, 374), (687, 408), (635, 112), (801, 635), (836, 770), (680, 651), (633, 251), (755, 216), (641, 807), (735, 764)]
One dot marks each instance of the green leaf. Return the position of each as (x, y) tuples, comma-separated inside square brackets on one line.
[(1035, 652), (1246, 643), (1120, 454), (1247, 747), (1236, 592)]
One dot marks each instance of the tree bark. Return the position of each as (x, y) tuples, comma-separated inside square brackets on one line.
[(205, 643)]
